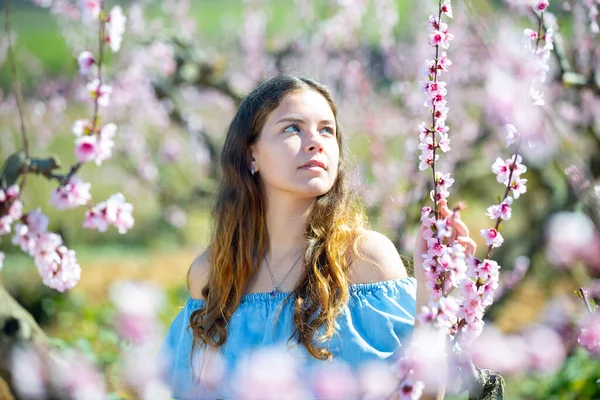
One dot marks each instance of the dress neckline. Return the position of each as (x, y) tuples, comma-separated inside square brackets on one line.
[(355, 289)]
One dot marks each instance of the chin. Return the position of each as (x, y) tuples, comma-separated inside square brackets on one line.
[(316, 189)]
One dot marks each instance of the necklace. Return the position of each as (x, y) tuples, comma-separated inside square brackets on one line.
[(276, 287)]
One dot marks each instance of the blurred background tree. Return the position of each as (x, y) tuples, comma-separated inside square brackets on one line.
[(182, 70)]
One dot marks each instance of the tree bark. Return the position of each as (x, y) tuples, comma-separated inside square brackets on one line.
[(17, 329)]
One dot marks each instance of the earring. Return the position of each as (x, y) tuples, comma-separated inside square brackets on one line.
[(252, 170)]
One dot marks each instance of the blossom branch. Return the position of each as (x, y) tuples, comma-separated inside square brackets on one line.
[(583, 295), (17, 89)]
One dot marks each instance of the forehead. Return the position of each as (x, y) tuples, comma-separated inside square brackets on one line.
[(307, 104)]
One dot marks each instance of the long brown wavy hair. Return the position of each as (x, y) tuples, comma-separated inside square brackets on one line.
[(240, 238)]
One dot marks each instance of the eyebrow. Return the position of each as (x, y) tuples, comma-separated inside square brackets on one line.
[(300, 120)]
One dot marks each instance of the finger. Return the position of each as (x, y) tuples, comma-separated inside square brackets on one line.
[(460, 228), (468, 243)]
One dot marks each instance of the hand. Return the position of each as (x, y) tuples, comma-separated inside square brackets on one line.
[(460, 232)]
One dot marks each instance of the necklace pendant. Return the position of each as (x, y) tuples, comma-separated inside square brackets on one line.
[(274, 292)]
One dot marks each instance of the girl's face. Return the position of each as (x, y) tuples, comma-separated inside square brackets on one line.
[(297, 151)]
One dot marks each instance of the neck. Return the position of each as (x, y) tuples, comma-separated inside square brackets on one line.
[(286, 223)]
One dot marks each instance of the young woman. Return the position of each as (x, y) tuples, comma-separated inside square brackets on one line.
[(290, 262)]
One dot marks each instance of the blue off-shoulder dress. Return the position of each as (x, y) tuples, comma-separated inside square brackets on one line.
[(375, 323)]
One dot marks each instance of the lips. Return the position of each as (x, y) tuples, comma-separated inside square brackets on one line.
[(314, 163)]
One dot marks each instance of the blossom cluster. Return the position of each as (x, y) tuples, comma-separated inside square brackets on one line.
[(114, 211), (56, 264), (94, 143), (541, 55)]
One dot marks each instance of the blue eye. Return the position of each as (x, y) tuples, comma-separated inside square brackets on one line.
[(296, 129), (328, 129)]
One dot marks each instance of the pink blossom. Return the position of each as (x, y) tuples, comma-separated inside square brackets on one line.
[(433, 24), (444, 228), (16, 210), (444, 62), (437, 38), (502, 353), (78, 378), (426, 162), (13, 191), (99, 92), (492, 237), (502, 169), (427, 315), (5, 223), (118, 213), (512, 135), (105, 143), (426, 212), (86, 148), (376, 380), (333, 381), (569, 235), (85, 61), (91, 8), (440, 114), (114, 211), (444, 142), (427, 147), (441, 127), (45, 248), (486, 270), (434, 88), (115, 28), (438, 100), (151, 298), (267, 374), (518, 187), (28, 375), (470, 332), (542, 5), (545, 349), (487, 292), (61, 271), (23, 238), (36, 221), (424, 131), (82, 127), (95, 219), (530, 34), (444, 181), (447, 8), (411, 390), (502, 210), (3, 193), (537, 97), (590, 334), (75, 193)]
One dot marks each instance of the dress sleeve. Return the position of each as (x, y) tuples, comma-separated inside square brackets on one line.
[(378, 322)]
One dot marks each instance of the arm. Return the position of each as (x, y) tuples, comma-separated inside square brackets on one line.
[(380, 262), (197, 275), (461, 233)]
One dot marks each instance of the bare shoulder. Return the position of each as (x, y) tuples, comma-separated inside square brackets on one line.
[(378, 260), (198, 274)]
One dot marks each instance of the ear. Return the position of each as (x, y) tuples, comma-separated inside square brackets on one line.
[(251, 158)]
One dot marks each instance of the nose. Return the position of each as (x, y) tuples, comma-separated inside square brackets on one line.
[(314, 142)]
